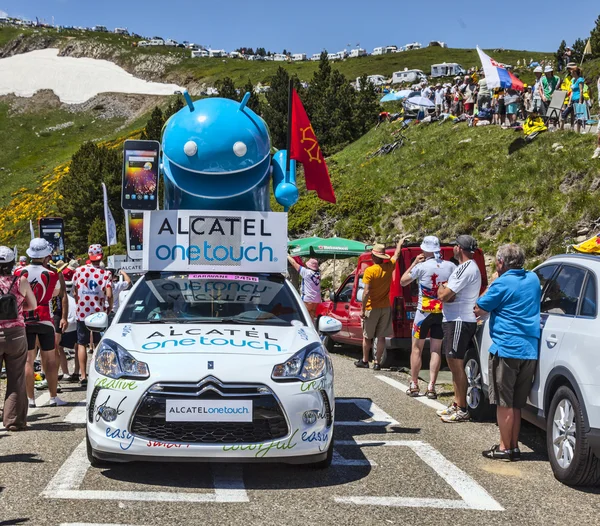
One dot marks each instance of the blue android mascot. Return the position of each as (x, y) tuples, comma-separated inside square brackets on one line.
[(216, 155)]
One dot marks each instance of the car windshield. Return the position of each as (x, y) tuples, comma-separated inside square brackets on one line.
[(212, 298)]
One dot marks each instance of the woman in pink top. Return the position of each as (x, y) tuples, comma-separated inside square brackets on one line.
[(13, 342)]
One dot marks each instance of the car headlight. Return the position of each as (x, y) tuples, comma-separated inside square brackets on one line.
[(309, 363), (115, 362)]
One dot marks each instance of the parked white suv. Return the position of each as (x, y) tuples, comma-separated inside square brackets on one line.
[(565, 397)]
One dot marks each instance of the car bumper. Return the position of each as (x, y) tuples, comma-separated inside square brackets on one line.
[(115, 440)]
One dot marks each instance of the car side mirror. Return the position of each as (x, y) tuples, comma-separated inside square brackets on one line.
[(332, 296), (97, 322), (329, 325)]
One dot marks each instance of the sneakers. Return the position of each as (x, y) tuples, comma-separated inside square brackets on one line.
[(448, 411), (361, 365), (596, 153), (56, 401), (83, 381), (32, 403), (457, 416), (41, 385), (377, 367), (516, 454), (71, 378)]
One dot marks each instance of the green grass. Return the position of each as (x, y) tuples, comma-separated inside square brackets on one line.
[(441, 186)]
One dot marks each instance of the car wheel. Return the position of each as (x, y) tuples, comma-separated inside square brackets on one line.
[(328, 343), (571, 457), (477, 402), (326, 462), (94, 462)]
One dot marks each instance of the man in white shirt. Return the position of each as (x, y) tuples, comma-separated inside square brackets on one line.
[(429, 269), (460, 295)]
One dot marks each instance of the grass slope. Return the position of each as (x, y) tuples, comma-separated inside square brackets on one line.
[(437, 184)]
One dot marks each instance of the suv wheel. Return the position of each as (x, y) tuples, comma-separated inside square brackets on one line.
[(477, 402), (571, 458)]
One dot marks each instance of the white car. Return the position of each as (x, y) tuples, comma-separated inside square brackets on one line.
[(565, 397), (211, 367)]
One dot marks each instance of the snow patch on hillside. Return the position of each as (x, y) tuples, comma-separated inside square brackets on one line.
[(74, 80)]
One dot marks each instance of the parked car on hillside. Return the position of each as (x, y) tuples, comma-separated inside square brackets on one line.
[(565, 396), (345, 304)]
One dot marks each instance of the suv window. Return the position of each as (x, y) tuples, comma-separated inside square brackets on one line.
[(589, 301), (345, 294), (545, 273), (562, 293)]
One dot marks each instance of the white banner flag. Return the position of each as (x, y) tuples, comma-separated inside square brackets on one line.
[(31, 229), (111, 227)]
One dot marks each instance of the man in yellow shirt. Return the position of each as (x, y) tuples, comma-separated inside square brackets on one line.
[(376, 311)]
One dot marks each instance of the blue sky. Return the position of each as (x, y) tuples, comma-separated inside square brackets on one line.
[(312, 25)]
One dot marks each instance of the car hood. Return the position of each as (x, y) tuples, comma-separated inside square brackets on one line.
[(208, 338)]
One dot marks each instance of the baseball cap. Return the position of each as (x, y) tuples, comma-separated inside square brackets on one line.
[(23, 259), (430, 244), (378, 250), (466, 242), (6, 255), (95, 252), (39, 248)]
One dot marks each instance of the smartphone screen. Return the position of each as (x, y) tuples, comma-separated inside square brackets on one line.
[(140, 175), (52, 229), (135, 234)]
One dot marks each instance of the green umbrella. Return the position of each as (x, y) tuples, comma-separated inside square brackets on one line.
[(301, 247)]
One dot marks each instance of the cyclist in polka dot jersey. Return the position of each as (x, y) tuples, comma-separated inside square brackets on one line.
[(92, 286)]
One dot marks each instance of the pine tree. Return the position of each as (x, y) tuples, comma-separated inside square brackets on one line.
[(227, 89), (174, 106), (81, 191), (595, 39), (578, 47), (254, 101), (275, 113), (560, 54), (367, 106), (153, 129)]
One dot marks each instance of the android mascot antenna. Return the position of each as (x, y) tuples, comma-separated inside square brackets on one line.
[(216, 155)]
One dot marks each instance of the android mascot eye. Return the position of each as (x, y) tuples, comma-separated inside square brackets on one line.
[(240, 149), (190, 148)]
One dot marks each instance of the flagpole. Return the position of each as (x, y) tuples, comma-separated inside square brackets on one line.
[(289, 132)]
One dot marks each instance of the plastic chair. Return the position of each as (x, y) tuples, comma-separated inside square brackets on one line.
[(555, 106)]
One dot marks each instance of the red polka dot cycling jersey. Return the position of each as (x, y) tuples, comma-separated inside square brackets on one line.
[(91, 283)]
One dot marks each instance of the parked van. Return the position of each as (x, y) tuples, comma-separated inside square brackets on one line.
[(450, 69), (408, 75), (345, 304), (358, 52)]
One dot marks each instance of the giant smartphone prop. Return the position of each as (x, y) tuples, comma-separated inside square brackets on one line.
[(52, 229), (140, 175), (134, 223)]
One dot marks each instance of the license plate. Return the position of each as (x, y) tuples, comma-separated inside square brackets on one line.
[(410, 315), (209, 411)]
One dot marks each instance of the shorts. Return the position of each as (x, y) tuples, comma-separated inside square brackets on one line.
[(56, 322), (512, 108), (469, 106), (83, 333), (377, 323), (457, 337), (44, 334), (69, 340), (428, 323), (510, 381)]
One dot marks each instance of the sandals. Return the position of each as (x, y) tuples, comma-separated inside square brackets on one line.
[(495, 453), (431, 394), (14, 428), (413, 390)]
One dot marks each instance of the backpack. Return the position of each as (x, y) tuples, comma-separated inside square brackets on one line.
[(9, 309)]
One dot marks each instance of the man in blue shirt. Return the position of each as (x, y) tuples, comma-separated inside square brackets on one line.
[(513, 302)]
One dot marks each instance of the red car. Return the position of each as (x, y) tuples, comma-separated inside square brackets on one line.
[(344, 305)]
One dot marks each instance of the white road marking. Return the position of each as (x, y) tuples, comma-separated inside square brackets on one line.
[(473, 496), (377, 416), (77, 414), (423, 399), (228, 482)]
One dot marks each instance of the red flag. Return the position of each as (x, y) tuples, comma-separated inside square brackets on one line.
[(305, 148)]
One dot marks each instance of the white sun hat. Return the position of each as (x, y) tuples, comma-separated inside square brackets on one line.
[(39, 248), (430, 244)]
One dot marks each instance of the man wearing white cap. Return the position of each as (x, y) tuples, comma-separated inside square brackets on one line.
[(548, 86), (92, 288), (39, 326), (430, 270), (537, 90)]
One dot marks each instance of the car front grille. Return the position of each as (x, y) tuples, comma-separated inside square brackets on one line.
[(268, 420)]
